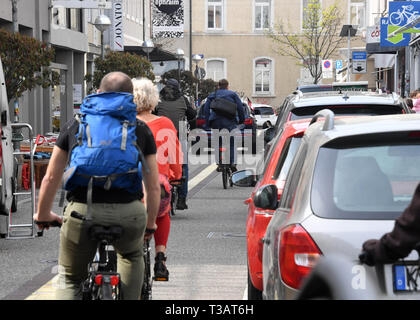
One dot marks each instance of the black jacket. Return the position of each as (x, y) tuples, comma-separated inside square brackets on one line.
[(174, 106), (401, 240)]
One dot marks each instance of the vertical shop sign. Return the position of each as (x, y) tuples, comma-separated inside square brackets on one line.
[(117, 30)]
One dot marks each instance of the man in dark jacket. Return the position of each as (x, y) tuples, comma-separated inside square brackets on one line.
[(398, 243), (217, 121), (175, 106)]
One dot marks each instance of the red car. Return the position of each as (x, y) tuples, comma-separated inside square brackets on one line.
[(272, 171)]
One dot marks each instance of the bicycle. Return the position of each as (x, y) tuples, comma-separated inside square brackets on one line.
[(103, 282), (146, 291), (404, 17), (225, 169), (176, 185)]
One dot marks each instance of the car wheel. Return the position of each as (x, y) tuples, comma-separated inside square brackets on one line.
[(253, 293)]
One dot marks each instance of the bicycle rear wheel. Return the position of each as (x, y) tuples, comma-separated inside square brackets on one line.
[(225, 177)]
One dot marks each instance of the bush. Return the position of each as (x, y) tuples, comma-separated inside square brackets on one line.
[(131, 64)]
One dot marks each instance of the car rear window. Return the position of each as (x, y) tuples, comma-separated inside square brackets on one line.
[(349, 110), (263, 111), (369, 177)]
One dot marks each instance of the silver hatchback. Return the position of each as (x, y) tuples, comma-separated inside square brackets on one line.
[(350, 179)]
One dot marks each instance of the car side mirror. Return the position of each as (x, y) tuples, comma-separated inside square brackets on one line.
[(269, 134), (266, 197), (244, 178)]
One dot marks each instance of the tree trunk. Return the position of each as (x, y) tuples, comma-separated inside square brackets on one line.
[(15, 16)]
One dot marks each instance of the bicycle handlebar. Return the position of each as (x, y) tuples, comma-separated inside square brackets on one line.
[(47, 224)]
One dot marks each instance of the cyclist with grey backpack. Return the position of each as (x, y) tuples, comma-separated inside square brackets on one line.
[(103, 197)]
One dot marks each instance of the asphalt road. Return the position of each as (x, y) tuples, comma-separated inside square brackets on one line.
[(206, 248)]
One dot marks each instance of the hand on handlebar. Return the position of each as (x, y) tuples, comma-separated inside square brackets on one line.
[(47, 221)]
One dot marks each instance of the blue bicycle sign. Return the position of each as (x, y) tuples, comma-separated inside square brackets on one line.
[(402, 13)]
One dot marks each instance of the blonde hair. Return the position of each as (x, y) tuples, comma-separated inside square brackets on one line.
[(146, 95)]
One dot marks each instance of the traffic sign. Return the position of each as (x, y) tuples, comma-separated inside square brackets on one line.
[(339, 65), (359, 55), (359, 66), (327, 68), (82, 4)]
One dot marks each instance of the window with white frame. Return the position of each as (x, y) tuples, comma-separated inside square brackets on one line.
[(262, 11), (263, 76), (215, 14), (358, 13), (215, 69)]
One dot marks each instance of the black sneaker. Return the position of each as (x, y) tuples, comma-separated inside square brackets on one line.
[(161, 272), (219, 168), (181, 204), (233, 168)]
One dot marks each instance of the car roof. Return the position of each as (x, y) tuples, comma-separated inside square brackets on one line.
[(351, 126), (345, 98)]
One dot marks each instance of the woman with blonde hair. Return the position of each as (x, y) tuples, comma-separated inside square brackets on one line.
[(169, 159)]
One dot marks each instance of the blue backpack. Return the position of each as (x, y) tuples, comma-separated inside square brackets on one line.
[(106, 153)]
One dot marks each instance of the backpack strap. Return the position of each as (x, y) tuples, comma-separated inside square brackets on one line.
[(125, 125)]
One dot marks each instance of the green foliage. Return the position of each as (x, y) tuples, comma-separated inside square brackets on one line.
[(131, 64), (25, 64), (319, 39), (189, 82)]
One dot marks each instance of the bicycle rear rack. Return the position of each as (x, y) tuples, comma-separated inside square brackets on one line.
[(24, 230)]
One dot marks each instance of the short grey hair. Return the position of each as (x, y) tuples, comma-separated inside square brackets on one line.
[(146, 94)]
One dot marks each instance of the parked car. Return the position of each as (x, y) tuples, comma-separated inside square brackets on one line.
[(248, 129), (357, 103), (350, 179), (6, 157), (264, 115), (271, 170)]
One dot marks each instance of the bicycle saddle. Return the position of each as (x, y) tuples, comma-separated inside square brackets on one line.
[(110, 234)]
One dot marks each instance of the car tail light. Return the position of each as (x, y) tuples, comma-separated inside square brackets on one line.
[(200, 122), (298, 254), (414, 134), (248, 121)]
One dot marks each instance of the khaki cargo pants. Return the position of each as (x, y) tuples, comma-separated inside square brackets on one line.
[(77, 250)]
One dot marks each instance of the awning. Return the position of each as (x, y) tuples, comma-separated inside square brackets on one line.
[(377, 49), (156, 55)]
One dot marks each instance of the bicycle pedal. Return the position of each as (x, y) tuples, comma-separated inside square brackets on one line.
[(161, 278)]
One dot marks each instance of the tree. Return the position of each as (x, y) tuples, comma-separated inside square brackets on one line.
[(188, 83), (131, 64), (319, 39), (25, 63)]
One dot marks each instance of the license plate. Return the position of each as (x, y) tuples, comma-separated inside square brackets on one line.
[(406, 276)]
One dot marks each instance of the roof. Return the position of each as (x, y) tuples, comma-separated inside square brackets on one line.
[(349, 126), (347, 97)]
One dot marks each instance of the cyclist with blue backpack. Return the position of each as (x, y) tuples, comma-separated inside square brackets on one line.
[(105, 156)]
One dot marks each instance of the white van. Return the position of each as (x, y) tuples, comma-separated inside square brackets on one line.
[(6, 157)]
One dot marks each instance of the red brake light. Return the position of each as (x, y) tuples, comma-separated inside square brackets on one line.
[(200, 122), (98, 279), (298, 253), (248, 121), (114, 280)]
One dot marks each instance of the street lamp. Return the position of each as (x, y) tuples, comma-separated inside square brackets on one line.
[(102, 23), (197, 58), (348, 31), (148, 46), (179, 55)]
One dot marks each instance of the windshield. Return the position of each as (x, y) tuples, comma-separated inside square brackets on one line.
[(365, 182), (263, 111), (346, 110)]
